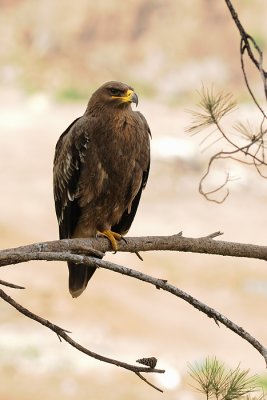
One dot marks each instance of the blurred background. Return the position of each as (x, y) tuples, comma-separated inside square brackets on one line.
[(53, 54)]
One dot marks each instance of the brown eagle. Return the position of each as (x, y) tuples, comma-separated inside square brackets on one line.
[(101, 166)]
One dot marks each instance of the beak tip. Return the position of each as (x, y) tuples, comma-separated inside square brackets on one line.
[(135, 99)]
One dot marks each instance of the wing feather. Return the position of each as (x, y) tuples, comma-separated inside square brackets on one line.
[(69, 156)]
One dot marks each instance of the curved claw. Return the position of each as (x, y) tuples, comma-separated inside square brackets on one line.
[(113, 237)]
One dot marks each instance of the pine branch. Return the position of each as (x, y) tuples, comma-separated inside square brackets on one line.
[(214, 106), (216, 381)]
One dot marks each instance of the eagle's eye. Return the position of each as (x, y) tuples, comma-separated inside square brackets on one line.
[(114, 92)]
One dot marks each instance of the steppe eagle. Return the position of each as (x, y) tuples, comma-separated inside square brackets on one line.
[(101, 166)]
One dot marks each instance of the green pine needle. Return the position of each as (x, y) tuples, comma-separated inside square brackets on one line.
[(213, 106), (217, 382)]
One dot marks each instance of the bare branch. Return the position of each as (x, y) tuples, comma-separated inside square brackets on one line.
[(56, 251), (213, 235), (214, 106), (177, 242), (149, 383), (245, 45), (11, 285), (62, 334)]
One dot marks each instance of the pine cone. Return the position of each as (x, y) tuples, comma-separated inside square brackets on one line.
[(149, 361)]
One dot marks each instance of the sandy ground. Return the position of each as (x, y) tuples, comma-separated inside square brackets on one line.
[(118, 316)]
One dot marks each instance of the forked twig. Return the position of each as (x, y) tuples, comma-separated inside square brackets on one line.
[(214, 106), (63, 334)]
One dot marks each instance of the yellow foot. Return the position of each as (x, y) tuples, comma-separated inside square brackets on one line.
[(112, 237)]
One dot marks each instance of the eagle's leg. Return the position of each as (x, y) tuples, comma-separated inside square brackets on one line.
[(112, 237)]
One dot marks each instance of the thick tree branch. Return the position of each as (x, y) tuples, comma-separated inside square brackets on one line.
[(97, 247)]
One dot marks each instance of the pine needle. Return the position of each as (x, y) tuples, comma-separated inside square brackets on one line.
[(213, 106), (216, 381)]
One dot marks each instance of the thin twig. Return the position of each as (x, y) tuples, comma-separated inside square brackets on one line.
[(245, 39), (62, 334), (11, 285), (149, 383), (215, 106)]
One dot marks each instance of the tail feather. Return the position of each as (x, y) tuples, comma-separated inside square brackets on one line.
[(79, 276)]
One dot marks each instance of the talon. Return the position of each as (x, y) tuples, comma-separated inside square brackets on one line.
[(138, 255), (112, 237)]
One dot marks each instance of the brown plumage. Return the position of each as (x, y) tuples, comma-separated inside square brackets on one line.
[(101, 166)]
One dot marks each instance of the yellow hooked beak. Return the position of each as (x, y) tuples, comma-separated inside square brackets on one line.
[(130, 97)]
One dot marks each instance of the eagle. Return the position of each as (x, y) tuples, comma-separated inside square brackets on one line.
[(101, 167)]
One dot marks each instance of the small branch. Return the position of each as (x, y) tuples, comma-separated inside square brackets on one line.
[(245, 41), (163, 284), (213, 106), (11, 285), (62, 334), (242, 49), (213, 235), (149, 383)]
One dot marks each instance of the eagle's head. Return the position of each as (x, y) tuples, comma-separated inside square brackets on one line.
[(113, 94)]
